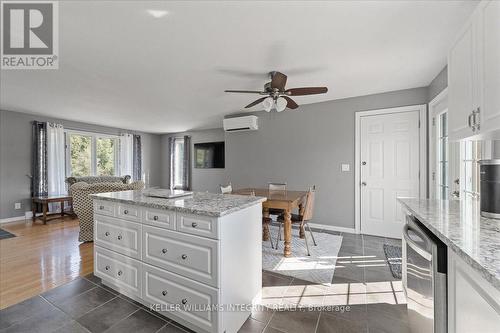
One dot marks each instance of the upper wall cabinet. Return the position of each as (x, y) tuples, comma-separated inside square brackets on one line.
[(474, 76)]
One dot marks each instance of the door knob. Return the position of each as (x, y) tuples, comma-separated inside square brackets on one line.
[(363, 183), (363, 163)]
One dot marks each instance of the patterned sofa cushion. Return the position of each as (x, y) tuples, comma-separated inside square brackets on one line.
[(82, 203)]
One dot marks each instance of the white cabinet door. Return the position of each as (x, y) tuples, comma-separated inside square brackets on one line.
[(473, 303), (461, 80), (489, 64)]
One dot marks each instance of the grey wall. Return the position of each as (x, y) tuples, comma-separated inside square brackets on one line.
[(203, 179), (306, 147), (15, 157), (438, 84)]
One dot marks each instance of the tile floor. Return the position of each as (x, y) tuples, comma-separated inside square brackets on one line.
[(363, 297)]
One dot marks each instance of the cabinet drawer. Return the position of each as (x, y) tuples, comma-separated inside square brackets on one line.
[(183, 297), (129, 212), (159, 218), (197, 225), (104, 207), (190, 256), (123, 272), (118, 235)]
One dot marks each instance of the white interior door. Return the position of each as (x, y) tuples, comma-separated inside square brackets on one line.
[(390, 165)]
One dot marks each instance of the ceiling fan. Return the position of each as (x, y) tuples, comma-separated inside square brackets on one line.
[(275, 95)]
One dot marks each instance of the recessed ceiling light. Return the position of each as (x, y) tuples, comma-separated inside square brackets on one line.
[(157, 13)]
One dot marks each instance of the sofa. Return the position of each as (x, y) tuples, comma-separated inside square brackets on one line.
[(97, 179), (83, 204)]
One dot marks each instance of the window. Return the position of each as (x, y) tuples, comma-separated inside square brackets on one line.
[(178, 179), (90, 154), (470, 154)]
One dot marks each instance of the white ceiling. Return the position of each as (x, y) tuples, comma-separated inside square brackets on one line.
[(120, 66)]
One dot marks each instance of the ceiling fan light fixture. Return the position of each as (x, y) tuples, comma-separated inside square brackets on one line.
[(281, 104), (268, 104)]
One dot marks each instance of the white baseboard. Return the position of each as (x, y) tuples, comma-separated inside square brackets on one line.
[(332, 228), (13, 219)]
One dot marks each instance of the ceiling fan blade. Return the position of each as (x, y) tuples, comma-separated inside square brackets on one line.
[(278, 81), (306, 91), (290, 103), (255, 102), (244, 91)]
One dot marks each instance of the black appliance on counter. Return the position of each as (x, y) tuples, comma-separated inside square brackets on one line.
[(490, 188)]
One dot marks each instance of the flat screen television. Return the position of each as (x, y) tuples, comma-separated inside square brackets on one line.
[(209, 155)]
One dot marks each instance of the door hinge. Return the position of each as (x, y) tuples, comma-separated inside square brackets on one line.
[(434, 121)]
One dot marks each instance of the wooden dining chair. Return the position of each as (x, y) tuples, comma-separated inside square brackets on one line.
[(226, 189), (278, 189), (266, 221), (304, 219)]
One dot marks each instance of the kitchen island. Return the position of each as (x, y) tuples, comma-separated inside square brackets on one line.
[(473, 260), (195, 259)]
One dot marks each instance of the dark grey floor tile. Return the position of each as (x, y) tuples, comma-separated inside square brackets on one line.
[(174, 328), (274, 280), (92, 278), (387, 318), (46, 321), (105, 316), (379, 274), (332, 324), (21, 311), (252, 326), (71, 289), (270, 329), (111, 290), (349, 271), (72, 327), (295, 321), (262, 314), (353, 312), (140, 321), (351, 250), (83, 303)]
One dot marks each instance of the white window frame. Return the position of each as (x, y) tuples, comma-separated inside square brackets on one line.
[(93, 157), (177, 185)]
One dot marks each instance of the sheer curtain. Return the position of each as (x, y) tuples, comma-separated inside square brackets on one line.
[(39, 161), (126, 154), (56, 184)]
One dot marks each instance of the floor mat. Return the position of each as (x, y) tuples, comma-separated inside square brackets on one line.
[(393, 253), (5, 234)]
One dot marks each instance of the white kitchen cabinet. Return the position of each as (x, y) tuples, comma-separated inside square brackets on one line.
[(474, 76), (473, 303)]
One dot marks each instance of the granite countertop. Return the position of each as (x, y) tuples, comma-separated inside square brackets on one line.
[(201, 203), (460, 226)]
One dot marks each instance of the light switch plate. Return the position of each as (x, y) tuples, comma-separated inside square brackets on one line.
[(17, 205), (345, 167)]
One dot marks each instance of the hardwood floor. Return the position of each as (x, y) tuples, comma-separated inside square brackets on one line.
[(40, 258)]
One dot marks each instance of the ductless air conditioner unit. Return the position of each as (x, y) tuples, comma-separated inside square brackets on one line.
[(239, 124)]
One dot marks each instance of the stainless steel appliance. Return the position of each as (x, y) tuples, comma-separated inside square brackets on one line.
[(489, 172), (424, 278)]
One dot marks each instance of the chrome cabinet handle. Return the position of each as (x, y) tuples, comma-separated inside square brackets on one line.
[(119, 237), (155, 218), (164, 293), (363, 183), (184, 301), (125, 212), (106, 233), (184, 257), (107, 268), (194, 224), (120, 273), (164, 251)]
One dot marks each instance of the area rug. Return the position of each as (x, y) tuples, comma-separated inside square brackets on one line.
[(393, 253), (5, 234), (317, 268)]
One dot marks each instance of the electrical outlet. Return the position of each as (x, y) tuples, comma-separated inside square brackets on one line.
[(17, 205), (345, 167)]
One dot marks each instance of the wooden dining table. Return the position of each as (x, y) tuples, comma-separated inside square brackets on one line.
[(283, 200)]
